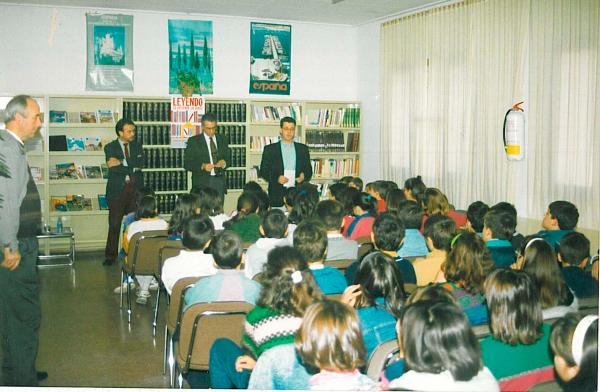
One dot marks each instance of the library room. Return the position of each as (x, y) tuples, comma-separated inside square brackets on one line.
[(188, 188)]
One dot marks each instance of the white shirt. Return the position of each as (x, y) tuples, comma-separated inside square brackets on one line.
[(207, 138), (256, 255), (145, 225), (187, 263), (484, 381), (218, 220)]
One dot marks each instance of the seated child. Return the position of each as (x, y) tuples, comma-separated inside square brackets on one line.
[(330, 340), (378, 296), (560, 219), (187, 204), (538, 259), (331, 214), (393, 200), (310, 239), (147, 219), (414, 189), (211, 204), (364, 210), (273, 228), (498, 228), (574, 341), (410, 213), (517, 238), (441, 350), (198, 232), (376, 189), (475, 214), (517, 350), (246, 221), (465, 269), (436, 202), (229, 283), (574, 253), (357, 183), (439, 231)]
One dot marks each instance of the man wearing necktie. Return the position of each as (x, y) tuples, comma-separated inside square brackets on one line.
[(125, 159), (206, 156)]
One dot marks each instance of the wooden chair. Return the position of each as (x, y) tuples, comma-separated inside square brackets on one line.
[(166, 249), (203, 323), (381, 357), (172, 322), (142, 259), (340, 264)]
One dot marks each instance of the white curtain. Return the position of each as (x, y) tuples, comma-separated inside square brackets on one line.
[(450, 74)]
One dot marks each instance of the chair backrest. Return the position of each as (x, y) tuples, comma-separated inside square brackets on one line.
[(176, 303), (364, 248), (168, 249), (380, 357), (202, 324), (481, 331), (143, 252), (341, 264), (409, 287)]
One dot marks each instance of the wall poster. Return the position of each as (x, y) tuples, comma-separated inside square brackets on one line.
[(109, 52), (270, 58), (190, 57)]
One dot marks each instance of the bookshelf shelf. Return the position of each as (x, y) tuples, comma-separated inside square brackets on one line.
[(78, 213), (76, 153), (82, 125), (164, 169), (327, 153), (77, 182)]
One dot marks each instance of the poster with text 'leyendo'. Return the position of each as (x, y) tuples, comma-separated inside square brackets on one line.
[(270, 58)]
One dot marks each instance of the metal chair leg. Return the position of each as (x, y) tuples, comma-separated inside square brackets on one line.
[(128, 301), (165, 352), (172, 363), (154, 321), (121, 285)]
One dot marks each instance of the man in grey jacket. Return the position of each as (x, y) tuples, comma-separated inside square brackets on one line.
[(20, 219)]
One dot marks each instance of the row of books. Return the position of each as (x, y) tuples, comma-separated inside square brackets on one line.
[(147, 110), (275, 113), (332, 141), (166, 181), (152, 135), (227, 112), (71, 203), (100, 116), (67, 143), (236, 134), (334, 167), (257, 143), (237, 157), (158, 158), (235, 179), (71, 171), (342, 117), (165, 203)]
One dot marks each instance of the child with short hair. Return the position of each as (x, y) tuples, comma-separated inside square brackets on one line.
[(574, 341), (310, 239), (467, 266), (211, 204), (574, 253), (388, 236), (228, 283), (517, 238), (273, 228), (364, 210), (330, 340), (198, 232), (410, 213), (475, 214), (147, 219), (439, 231), (441, 350), (498, 229), (246, 222), (560, 219), (331, 213), (357, 183), (376, 190), (517, 350)]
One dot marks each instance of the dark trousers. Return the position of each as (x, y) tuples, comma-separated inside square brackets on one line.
[(20, 317), (217, 183), (117, 209), (223, 354)]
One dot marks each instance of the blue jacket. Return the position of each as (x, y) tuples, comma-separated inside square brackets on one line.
[(414, 244), (377, 326), (502, 252)]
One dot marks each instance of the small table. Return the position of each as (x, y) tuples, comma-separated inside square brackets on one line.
[(66, 233)]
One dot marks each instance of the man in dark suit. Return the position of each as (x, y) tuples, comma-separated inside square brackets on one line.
[(206, 156), (125, 159), (285, 163)]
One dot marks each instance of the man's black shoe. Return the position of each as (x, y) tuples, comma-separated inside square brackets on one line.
[(41, 376), (108, 262)]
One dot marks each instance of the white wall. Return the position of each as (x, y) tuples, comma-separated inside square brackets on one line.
[(46, 57)]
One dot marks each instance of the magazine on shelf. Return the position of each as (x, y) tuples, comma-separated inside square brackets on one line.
[(93, 143), (37, 173), (78, 203), (88, 117), (68, 171), (102, 202), (58, 116), (92, 172), (75, 144), (73, 117), (58, 203), (105, 116)]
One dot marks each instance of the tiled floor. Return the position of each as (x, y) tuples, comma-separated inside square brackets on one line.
[(85, 340)]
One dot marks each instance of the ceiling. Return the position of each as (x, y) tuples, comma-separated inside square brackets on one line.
[(343, 12)]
